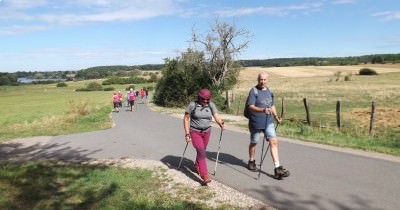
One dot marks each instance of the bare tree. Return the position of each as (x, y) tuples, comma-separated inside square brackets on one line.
[(221, 45)]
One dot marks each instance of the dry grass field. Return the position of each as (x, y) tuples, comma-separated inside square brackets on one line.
[(316, 71), (322, 89)]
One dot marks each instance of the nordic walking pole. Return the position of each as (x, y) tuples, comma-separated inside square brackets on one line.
[(282, 112), (219, 146), (262, 154), (180, 162), (263, 146)]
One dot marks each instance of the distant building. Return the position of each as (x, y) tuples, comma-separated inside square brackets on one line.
[(30, 80)]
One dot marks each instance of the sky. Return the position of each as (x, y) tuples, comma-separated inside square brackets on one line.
[(54, 35)]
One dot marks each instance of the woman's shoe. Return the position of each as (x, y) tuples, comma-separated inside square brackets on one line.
[(206, 180), (196, 169)]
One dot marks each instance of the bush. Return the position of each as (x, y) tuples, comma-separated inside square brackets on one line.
[(82, 89), (136, 80), (122, 80), (109, 89), (130, 86), (153, 78), (106, 82), (178, 86), (62, 84), (367, 71), (94, 86)]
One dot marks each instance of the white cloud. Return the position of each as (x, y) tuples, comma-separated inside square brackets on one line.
[(24, 4), (22, 16), (274, 11), (388, 15), (80, 11), (344, 2), (18, 29)]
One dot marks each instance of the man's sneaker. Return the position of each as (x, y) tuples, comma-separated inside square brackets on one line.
[(281, 172), (252, 165)]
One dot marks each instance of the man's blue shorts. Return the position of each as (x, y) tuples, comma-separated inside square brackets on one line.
[(255, 134)]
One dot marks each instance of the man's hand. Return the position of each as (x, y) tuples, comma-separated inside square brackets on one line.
[(267, 110), (278, 119)]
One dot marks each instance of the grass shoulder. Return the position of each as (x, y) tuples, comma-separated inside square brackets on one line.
[(103, 184), (385, 143)]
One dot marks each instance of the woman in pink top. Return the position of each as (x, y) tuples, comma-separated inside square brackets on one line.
[(115, 99)]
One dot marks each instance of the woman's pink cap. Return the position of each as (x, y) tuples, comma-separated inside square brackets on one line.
[(205, 94)]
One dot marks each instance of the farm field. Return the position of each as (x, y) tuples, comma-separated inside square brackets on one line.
[(318, 84)]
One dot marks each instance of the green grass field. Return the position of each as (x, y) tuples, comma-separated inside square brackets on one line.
[(51, 185), (35, 110)]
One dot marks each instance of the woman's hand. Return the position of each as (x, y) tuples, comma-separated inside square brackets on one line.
[(188, 138), (222, 125)]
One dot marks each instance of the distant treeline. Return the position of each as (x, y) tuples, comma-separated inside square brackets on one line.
[(89, 73), (131, 71), (120, 71), (318, 61)]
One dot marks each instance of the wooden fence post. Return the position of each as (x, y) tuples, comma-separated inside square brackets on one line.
[(283, 108), (371, 123), (338, 108), (307, 112)]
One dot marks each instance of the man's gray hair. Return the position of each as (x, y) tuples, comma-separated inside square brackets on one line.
[(262, 73)]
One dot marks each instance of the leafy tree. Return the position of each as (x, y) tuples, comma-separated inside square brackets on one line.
[(4, 80), (173, 89), (39, 76)]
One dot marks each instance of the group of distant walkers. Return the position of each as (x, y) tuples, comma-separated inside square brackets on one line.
[(259, 109), (131, 96)]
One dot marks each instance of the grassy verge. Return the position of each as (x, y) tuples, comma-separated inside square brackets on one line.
[(35, 110), (50, 185), (322, 93), (383, 144)]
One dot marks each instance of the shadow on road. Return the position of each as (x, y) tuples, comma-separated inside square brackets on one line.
[(53, 151), (230, 161), (186, 167), (284, 199)]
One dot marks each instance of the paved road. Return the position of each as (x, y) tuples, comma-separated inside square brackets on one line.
[(321, 178)]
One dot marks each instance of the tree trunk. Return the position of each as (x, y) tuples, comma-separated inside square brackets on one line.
[(228, 102)]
